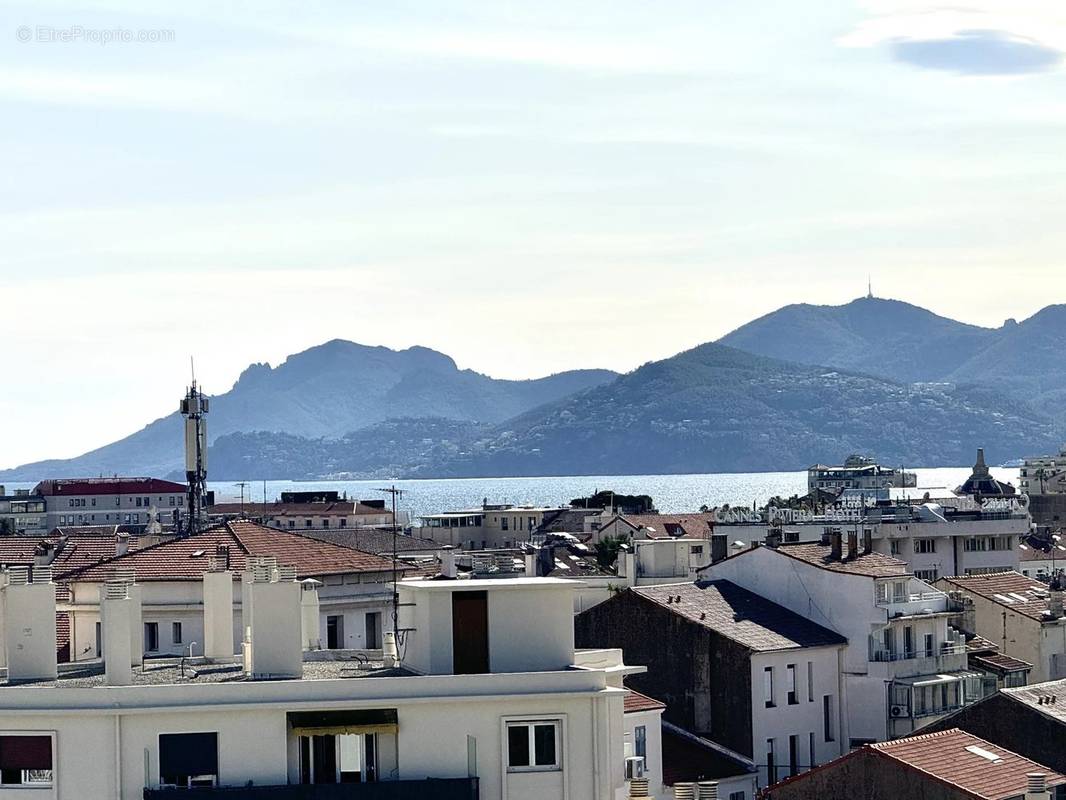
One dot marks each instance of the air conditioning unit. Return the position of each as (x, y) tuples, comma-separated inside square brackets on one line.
[(634, 767), (898, 711)]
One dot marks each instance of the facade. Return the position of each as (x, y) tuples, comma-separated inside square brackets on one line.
[(324, 514), (504, 711), (643, 737), (857, 473), (944, 534), (488, 527), (751, 676), (22, 513), (903, 665), (948, 765), (1043, 475), (110, 501), (644, 562), (1022, 616), (355, 608)]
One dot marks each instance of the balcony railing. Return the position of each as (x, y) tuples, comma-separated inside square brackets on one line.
[(903, 655), (436, 788)]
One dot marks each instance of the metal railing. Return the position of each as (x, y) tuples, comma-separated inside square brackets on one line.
[(436, 788)]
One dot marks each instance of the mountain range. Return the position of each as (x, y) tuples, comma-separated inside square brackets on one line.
[(805, 383)]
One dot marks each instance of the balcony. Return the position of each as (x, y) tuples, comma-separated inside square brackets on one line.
[(908, 603), (890, 665), (436, 788)]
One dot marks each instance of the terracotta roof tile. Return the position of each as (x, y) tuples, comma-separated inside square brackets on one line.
[(635, 701), (186, 557), (89, 486), (740, 615), (1026, 596), (873, 565), (672, 526), (951, 757)]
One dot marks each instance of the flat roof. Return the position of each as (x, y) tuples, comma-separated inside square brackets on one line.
[(467, 584)]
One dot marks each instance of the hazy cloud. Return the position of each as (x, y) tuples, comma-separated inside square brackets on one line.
[(979, 53)]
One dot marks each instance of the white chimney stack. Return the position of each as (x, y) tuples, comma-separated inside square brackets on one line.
[(310, 615), (30, 625), (1036, 788), (218, 615), (127, 575), (122, 544), (447, 562), (115, 616), (274, 647)]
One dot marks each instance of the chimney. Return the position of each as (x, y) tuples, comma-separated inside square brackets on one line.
[(834, 544), (390, 655), (274, 633), (127, 575), (684, 791), (545, 560), (708, 790), (122, 544), (1055, 593), (867, 541), (447, 561), (309, 615), (30, 625), (115, 614), (1036, 786), (218, 613), (853, 544)]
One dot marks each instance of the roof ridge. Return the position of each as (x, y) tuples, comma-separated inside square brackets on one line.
[(340, 548), (138, 551)]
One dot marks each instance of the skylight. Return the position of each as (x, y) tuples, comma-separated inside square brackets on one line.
[(980, 751), (197, 553)]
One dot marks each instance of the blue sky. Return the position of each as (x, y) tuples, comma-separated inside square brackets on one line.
[(527, 187)]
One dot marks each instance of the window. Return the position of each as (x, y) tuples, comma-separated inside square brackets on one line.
[(811, 751), (188, 759), (99, 641), (175, 632), (908, 641), (810, 681), (25, 759), (927, 575), (532, 746), (503, 523), (151, 637), (308, 523), (929, 647), (292, 523), (895, 548), (138, 502), (736, 796), (827, 718), (172, 500), (793, 755), (768, 686), (925, 545), (790, 675), (344, 522), (640, 742), (771, 767), (697, 550)]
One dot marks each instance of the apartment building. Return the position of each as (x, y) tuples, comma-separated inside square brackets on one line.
[(22, 513), (903, 665), (307, 510), (644, 562), (488, 527), (1021, 615), (485, 698), (110, 501), (638, 527), (1043, 474), (858, 473), (355, 588), (760, 681)]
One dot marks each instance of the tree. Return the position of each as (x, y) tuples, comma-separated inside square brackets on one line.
[(607, 549)]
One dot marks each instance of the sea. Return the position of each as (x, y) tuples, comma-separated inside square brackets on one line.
[(671, 493)]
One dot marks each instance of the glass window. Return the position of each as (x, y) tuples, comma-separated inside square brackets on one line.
[(640, 742), (790, 675), (532, 746), (25, 760), (768, 686), (188, 759), (175, 630)]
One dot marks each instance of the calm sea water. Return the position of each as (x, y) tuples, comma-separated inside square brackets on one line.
[(672, 493)]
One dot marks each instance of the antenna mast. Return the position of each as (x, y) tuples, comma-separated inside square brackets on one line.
[(193, 407), (392, 490)]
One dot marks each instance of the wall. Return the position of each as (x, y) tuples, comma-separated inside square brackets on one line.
[(653, 730)]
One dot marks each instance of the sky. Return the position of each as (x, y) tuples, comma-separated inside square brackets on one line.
[(528, 187)]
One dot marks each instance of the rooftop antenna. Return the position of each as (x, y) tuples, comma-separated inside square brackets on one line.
[(392, 490), (193, 407), (869, 287)]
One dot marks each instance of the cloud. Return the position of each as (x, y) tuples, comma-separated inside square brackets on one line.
[(979, 53), (986, 37)]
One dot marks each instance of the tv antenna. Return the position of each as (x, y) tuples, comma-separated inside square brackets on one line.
[(394, 493)]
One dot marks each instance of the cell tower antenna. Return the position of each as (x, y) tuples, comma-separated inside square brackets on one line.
[(869, 287), (194, 407)]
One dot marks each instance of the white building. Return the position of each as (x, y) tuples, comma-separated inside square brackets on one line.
[(857, 473), (1044, 474), (22, 513), (492, 526), (356, 591), (903, 666), (110, 501), (489, 700), (653, 561)]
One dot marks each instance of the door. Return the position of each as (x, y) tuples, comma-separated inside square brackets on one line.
[(373, 631), (335, 632), (151, 637), (470, 633)]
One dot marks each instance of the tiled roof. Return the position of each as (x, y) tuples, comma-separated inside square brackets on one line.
[(999, 662), (672, 526), (17, 550), (740, 615), (370, 540), (635, 701), (687, 758), (82, 550), (1048, 698), (873, 565), (1026, 596), (186, 557), (89, 486), (979, 644), (1057, 552), (950, 757)]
